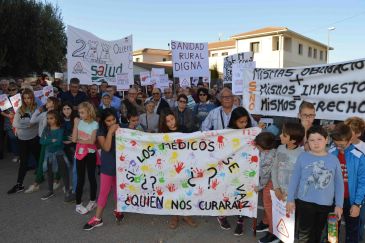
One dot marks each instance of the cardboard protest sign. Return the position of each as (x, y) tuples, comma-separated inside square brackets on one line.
[(184, 82), (190, 59), (16, 101), (122, 82), (283, 226), (162, 81), (201, 173), (92, 60), (239, 58), (145, 78), (337, 90), (4, 102), (238, 76)]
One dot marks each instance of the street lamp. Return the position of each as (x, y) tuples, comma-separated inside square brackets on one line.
[(328, 43)]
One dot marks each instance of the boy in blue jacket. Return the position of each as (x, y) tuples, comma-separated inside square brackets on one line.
[(352, 163)]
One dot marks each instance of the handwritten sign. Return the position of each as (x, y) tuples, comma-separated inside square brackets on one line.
[(238, 76), (4, 102), (190, 59), (92, 60), (337, 90), (283, 226), (201, 173), (145, 78), (122, 82), (239, 58), (16, 101), (162, 81)]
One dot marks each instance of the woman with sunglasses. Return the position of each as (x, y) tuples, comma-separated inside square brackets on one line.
[(184, 114), (203, 107)]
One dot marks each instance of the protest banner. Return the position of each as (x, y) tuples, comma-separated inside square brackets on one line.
[(92, 60), (122, 82), (145, 78), (184, 82), (282, 224), (4, 102), (336, 90), (238, 76), (16, 101), (190, 59), (162, 81), (201, 173), (243, 57)]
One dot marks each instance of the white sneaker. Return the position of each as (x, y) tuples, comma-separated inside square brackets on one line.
[(91, 206), (32, 188), (56, 185), (81, 209)]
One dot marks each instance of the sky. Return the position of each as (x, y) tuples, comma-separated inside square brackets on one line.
[(155, 23)]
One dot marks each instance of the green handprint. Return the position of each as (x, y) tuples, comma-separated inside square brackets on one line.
[(185, 184), (250, 173)]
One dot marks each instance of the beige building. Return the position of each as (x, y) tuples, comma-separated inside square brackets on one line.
[(151, 55), (273, 47)]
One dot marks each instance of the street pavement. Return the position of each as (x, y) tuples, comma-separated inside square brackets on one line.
[(26, 218)]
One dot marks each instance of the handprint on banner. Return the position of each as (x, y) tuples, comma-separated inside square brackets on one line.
[(254, 159), (133, 143), (189, 192), (171, 187), (199, 173), (159, 191), (225, 197), (179, 166), (174, 156), (236, 142), (122, 158), (166, 138), (220, 141), (250, 173), (161, 177), (159, 163), (199, 191), (123, 185), (214, 183)]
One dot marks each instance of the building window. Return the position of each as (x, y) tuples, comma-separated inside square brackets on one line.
[(224, 53), (287, 44), (300, 49), (255, 47), (315, 53), (309, 51), (321, 55), (137, 59), (275, 43), (164, 59), (214, 54)]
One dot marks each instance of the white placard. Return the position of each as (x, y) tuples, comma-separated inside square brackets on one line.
[(92, 60), (39, 94), (16, 101), (282, 225), (58, 75), (238, 76), (239, 58), (145, 78), (4, 102), (190, 59), (122, 82), (162, 81)]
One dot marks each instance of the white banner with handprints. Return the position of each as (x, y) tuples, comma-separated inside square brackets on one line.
[(92, 60), (201, 173)]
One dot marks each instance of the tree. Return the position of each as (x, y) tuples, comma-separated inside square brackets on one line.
[(32, 37)]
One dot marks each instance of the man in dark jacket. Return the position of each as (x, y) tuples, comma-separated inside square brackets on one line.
[(161, 104), (74, 95)]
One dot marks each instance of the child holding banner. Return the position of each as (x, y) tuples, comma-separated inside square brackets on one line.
[(265, 143), (316, 183), (169, 123), (84, 135), (240, 119), (108, 125)]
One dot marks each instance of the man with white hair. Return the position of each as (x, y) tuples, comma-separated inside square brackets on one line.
[(219, 117)]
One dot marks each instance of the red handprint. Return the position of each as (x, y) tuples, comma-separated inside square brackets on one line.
[(220, 141), (198, 172), (133, 143), (254, 159), (122, 158), (179, 166), (178, 141), (159, 191), (16, 103), (171, 187), (123, 185), (225, 197), (120, 169), (215, 183), (199, 191), (159, 163)]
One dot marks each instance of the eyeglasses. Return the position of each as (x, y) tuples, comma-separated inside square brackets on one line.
[(202, 94), (183, 101), (307, 116), (155, 93)]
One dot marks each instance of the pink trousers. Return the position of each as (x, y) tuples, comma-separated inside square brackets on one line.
[(107, 182)]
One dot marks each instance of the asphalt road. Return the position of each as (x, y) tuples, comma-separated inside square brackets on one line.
[(26, 218)]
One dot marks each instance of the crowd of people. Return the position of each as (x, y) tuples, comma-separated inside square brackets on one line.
[(315, 169)]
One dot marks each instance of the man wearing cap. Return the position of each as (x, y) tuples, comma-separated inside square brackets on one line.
[(106, 102)]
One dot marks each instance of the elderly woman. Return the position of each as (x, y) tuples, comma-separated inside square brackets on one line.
[(149, 120)]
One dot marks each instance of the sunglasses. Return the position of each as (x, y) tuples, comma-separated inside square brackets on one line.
[(202, 94)]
